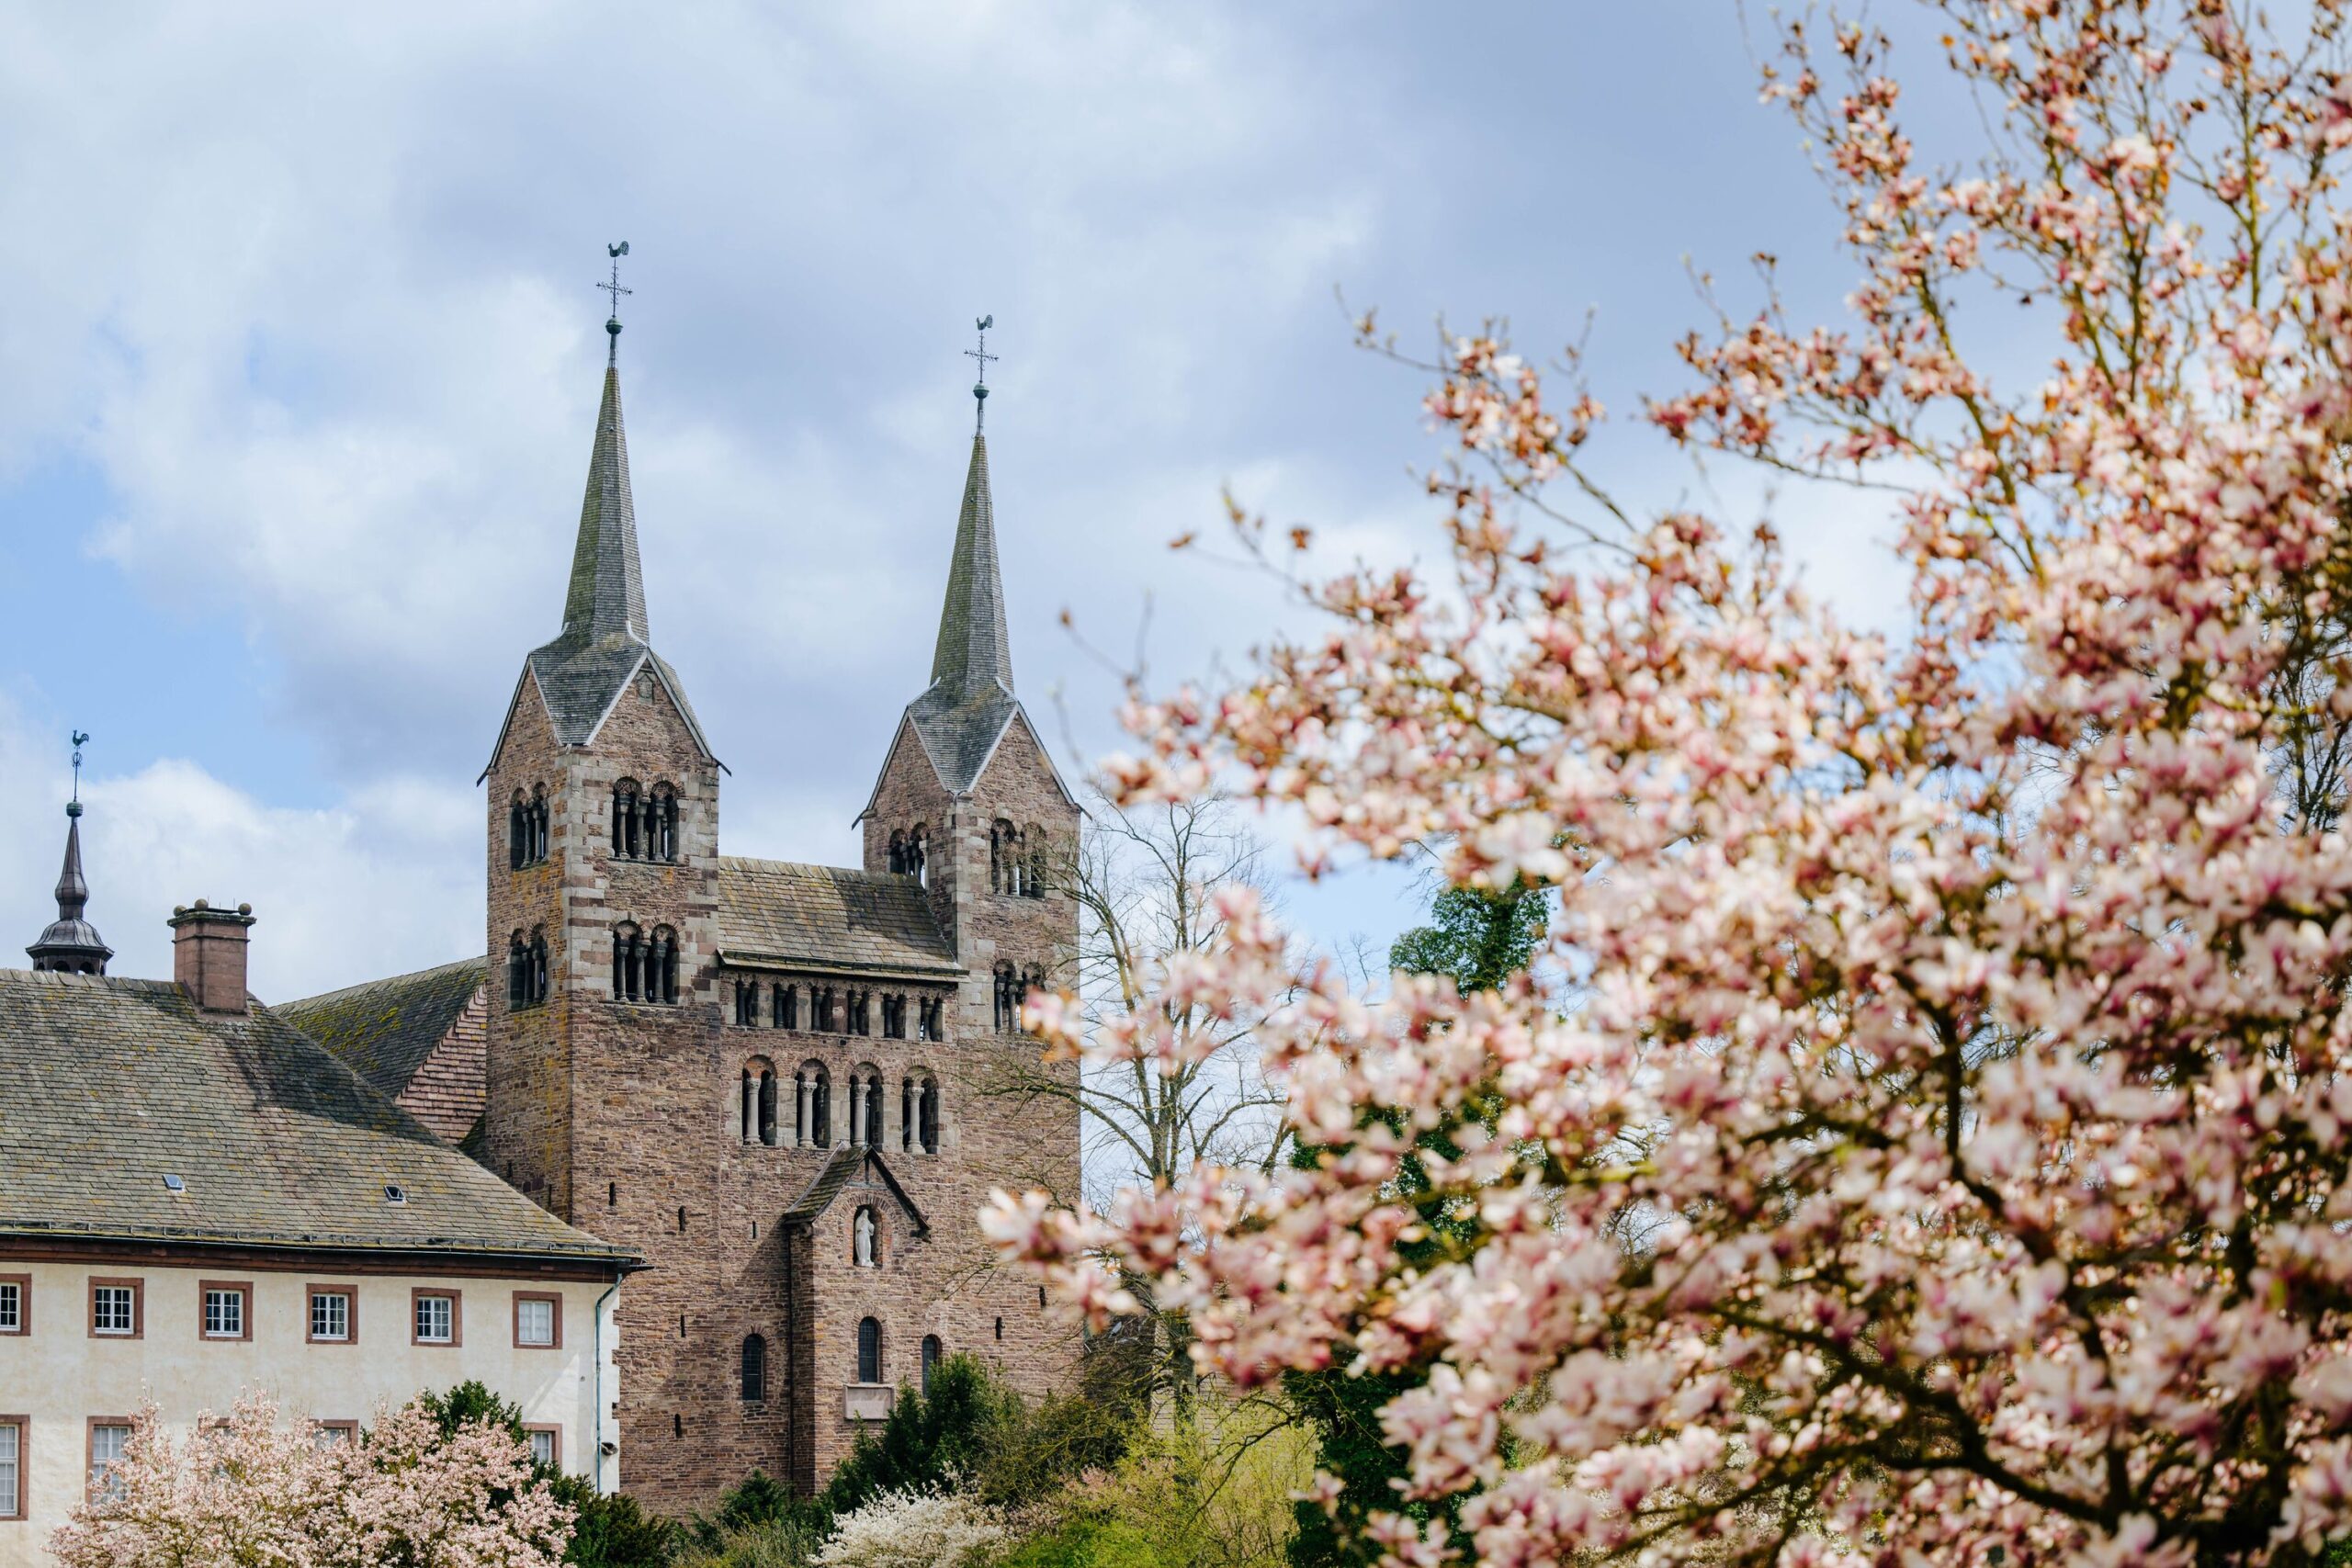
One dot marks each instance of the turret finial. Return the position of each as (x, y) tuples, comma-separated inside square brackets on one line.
[(981, 387), (81, 738), (613, 322)]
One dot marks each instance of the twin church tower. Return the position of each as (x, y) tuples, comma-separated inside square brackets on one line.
[(777, 1083)]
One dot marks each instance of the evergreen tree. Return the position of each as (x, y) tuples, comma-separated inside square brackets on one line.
[(1479, 940)]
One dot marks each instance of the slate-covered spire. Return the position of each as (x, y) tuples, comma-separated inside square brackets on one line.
[(973, 653), (71, 946), (606, 597)]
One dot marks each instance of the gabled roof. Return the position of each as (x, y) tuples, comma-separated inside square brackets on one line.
[(111, 1085), (828, 917), (384, 1030), (852, 1165)]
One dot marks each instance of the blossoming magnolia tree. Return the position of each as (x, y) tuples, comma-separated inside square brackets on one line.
[(253, 1491), (1947, 1160)]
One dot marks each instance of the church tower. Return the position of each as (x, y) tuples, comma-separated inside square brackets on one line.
[(969, 798)]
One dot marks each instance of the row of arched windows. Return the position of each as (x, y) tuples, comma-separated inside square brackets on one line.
[(1016, 860), (526, 968), (763, 1112), (526, 828), (645, 963), (1012, 988), (754, 1379), (645, 821), (910, 849), (837, 1010)]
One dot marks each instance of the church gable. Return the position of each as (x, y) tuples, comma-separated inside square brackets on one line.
[(1018, 764)]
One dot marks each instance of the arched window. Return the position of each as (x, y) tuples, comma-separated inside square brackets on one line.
[(814, 1088), (784, 1006), (869, 1351), (861, 1011), (821, 1009), (766, 1107), (662, 824), (930, 1360), (1008, 998), (539, 965), (927, 1116), (747, 1003), (662, 973), (755, 1367), (518, 972), (917, 854), (747, 1106), (865, 1240), (1032, 881), (538, 822), (518, 835), (1004, 854), (930, 1018), (625, 822), (874, 1111), (899, 851), (894, 1017), (629, 961)]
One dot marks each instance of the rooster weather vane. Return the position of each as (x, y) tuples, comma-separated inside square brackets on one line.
[(981, 387), (613, 322)]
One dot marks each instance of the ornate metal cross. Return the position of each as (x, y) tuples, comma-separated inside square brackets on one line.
[(613, 326)]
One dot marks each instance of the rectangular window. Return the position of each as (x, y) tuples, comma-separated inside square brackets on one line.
[(545, 1449), (329, 1434), (227, 1314), (114, 1308), (538, 1319), (334, 1317), (435, 1314), (12, 1466), (16, 1303), (109, 1439)]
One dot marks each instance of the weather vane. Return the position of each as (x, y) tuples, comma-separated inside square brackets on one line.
[(981, 387), (613, 322), (81, 738)]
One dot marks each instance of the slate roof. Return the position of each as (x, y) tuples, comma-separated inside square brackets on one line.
[(385, 1029), (851, 1161), (964, 712), (828, 917), (70, 938), (108, 1085), (606, 636)]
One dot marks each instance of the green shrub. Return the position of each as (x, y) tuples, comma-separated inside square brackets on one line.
[(611, 1531)]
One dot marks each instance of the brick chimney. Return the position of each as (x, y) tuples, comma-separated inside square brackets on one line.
[(208, 955)]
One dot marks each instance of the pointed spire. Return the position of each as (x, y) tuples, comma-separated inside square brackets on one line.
[(974, 653), (71, 946), (606, 598)]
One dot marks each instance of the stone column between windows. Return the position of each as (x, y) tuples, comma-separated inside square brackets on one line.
[(856, 1109), (801, 1133)]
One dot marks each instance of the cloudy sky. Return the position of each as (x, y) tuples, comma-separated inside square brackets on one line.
[(302, 345)]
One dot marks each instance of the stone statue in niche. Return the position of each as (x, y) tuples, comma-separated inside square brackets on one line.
[(864, 1230)]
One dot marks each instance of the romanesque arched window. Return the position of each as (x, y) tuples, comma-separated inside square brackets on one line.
[(747, 1003), (757, 1113), (873, 1109), (861, 1012), (755, 1367), (823, 1010), (814, 1089), (625, 821), (865, 1239), (1008, 998), (1032, 881), (927, 1115), (930, 1015), (539, 965), (894, 1017), (538, 823), (1004, 854), (629, 961), (784, 1006), (869, 1350), (519, 834), (899, 851), (919, 853), (930, 1351), (518, 972), (661, 977), (662, 824)]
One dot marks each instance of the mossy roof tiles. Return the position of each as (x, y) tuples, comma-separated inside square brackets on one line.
[(108, 1085), (828, 917), (384, 1030)]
